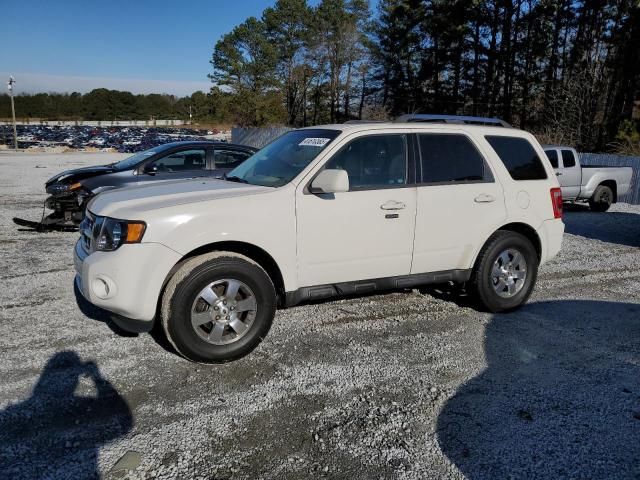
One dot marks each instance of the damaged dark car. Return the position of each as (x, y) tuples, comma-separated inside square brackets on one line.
[(71, 190)]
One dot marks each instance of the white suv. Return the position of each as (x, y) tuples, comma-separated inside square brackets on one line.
[(319, 212)]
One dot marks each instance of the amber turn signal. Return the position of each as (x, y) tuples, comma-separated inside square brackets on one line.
[(74, 186), (135, 231)]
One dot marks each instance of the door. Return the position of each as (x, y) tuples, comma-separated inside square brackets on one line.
[(364, 233), (176, 165), (226, 159), (569, 174), (459, 202)]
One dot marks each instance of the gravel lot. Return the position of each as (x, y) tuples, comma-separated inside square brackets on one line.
[(406, 385)]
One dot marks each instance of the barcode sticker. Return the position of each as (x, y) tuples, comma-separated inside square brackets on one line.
[(315, 142)]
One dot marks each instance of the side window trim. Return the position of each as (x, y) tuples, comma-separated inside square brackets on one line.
[(487, 173)]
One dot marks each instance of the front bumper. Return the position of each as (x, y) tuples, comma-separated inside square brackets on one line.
[(127, 281)]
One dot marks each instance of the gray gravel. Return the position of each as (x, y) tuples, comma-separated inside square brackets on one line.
[(405, 385)]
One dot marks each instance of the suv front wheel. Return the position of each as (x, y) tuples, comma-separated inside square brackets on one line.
[(218, 307), (505, 272)]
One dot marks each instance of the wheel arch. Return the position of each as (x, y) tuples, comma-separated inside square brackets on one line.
[(255, 253), (519, 227)]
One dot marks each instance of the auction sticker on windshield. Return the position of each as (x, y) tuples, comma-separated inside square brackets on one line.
[(314, 142)]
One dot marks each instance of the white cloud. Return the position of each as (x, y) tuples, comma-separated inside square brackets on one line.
[(42, 82)]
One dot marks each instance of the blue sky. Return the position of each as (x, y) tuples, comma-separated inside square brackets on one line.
[(139, 45)]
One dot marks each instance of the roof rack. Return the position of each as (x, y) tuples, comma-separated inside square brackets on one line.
[(424, 117), (363, 121)]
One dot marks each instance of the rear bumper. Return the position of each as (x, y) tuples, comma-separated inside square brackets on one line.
[(127, 281), (550, 233)]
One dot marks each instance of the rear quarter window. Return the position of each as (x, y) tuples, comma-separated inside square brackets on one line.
[(568, 159), (518, 156)]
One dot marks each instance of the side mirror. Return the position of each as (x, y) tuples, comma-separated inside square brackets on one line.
[(150, 169), (331, 181)]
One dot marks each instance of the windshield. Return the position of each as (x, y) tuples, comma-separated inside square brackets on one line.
[(284, 158), (133, 160)]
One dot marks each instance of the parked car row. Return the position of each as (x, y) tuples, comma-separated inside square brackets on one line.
[(121, 139), (71, 190), (319, 212)]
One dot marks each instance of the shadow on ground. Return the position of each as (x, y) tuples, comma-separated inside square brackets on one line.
[(612, 227), (560, 397), (57, 432)]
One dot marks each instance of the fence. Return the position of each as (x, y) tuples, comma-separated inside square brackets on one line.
[(256, 137), (606, 160)]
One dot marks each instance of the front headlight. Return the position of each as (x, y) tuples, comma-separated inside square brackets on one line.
[(109, 233)]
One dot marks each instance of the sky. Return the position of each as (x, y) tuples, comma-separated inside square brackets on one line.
[(144, 46)]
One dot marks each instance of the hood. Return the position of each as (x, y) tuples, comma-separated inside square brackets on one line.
[(75, 175), (132, 202)]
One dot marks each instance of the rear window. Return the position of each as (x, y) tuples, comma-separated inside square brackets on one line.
[(568, 159), (552, 155), (518, 156), (449, 158)]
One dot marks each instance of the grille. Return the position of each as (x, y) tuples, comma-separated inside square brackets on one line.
[(86, 231)]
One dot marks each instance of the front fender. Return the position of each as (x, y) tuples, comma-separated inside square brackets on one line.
[(265, 221)]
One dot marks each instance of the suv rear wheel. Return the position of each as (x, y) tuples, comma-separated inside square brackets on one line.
[(218, 307), (505, 272)]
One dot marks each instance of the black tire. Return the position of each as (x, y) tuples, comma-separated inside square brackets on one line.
[(602, 199), (183, 290), (482, 282)]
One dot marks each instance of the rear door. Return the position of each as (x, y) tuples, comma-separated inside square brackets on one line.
[(459, 202), (569, 174)]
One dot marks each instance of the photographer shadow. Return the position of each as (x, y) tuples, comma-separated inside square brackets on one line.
[(56, 432), (560, 397)]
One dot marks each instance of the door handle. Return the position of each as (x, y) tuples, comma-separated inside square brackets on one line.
[(558, 174), (392, 205), (484, 198)]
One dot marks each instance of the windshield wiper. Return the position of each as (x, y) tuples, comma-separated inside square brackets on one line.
[(233, 178)]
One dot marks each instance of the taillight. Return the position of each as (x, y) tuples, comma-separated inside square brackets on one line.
[(556, 202)]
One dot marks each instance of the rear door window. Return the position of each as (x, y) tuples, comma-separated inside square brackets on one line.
[(185, 160), (518, 156), (229, 158), (450, 158), (552, 155), (373, 161), (568, 159)]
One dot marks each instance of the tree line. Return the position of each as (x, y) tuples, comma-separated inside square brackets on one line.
[(101, 104), (566, 70)]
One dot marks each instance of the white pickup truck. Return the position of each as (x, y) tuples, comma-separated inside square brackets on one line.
[(319, 212), (600, 186)]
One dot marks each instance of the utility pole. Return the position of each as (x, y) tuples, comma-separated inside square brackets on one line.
[(13, 112)]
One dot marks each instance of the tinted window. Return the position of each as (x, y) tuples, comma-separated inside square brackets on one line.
[(552, 155), (568, 159), (519, 157), (182, 161), (229, 158), (449, 158), (373, 161)]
